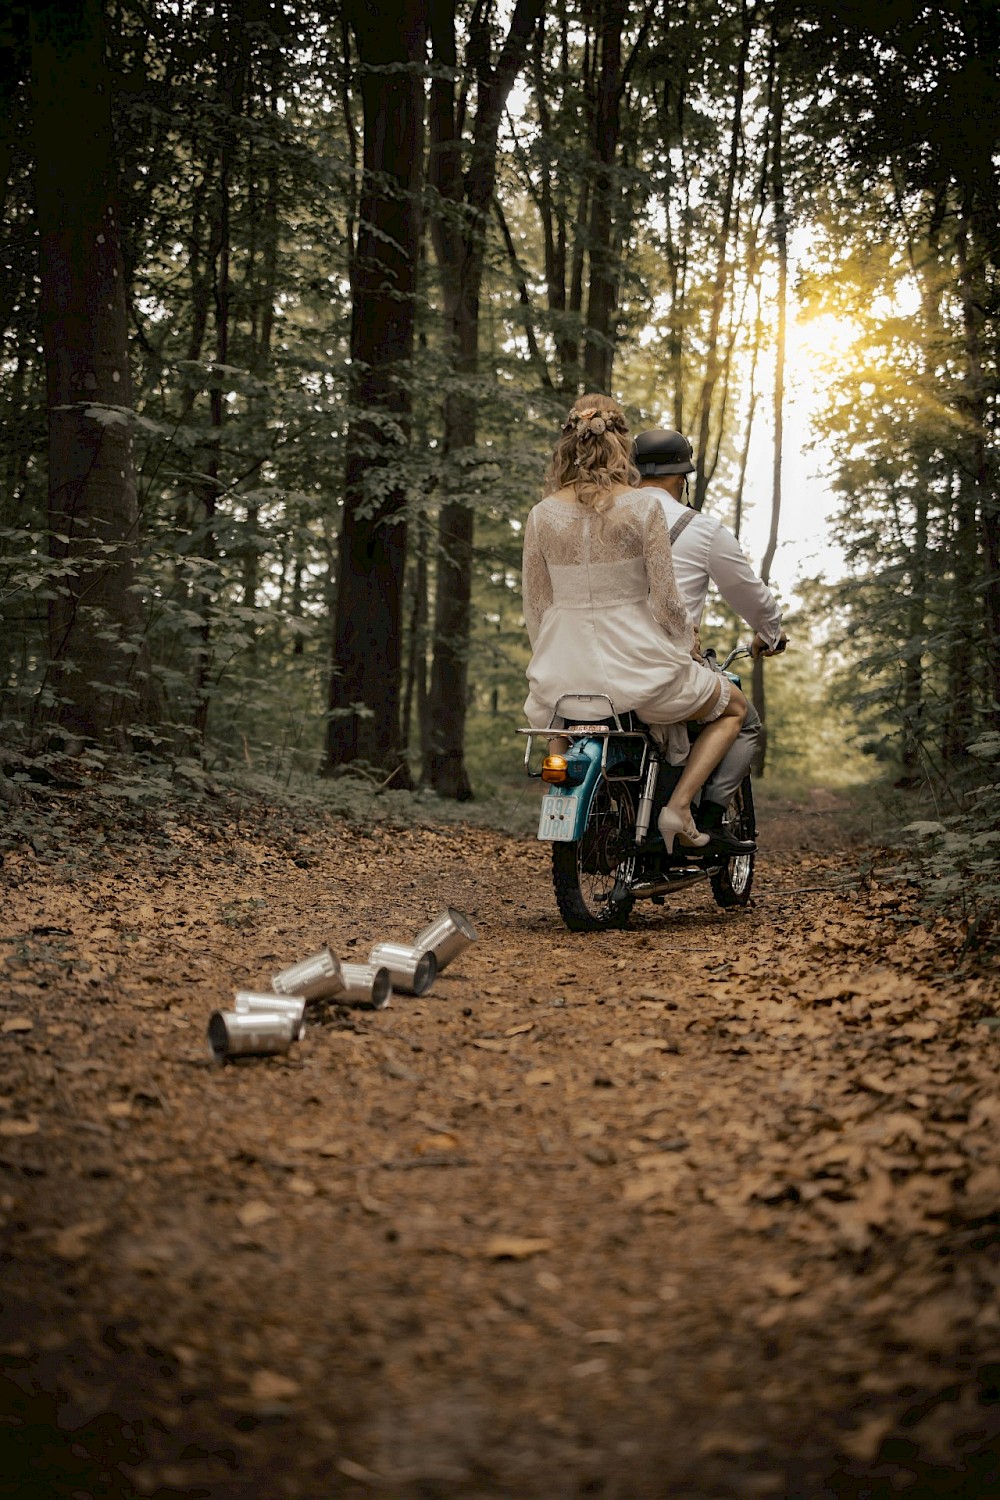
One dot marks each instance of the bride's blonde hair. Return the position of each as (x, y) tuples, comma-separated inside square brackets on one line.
[(594, 452)]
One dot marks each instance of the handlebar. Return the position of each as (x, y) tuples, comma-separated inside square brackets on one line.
[(746, 649)]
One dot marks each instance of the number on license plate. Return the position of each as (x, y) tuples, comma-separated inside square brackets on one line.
[(558, 818)]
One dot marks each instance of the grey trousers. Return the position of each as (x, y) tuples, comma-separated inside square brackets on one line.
[(735, 764)]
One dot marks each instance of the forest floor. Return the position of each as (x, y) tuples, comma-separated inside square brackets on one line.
[(703, 1208)]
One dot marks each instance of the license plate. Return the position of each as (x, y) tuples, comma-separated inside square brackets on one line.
[(558, 818)]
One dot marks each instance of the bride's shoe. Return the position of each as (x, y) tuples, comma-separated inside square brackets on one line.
[(672, 825)]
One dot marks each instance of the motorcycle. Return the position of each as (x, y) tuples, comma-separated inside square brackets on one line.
[(604, 793)]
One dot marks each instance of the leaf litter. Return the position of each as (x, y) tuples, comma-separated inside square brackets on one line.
[(752, 1156)]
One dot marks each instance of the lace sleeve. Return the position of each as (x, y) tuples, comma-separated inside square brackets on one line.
[(536, 585), (664, 599)]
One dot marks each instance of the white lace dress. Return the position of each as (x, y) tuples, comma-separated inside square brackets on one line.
[(604, 614)]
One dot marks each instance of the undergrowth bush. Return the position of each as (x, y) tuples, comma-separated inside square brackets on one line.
[(955, 858)]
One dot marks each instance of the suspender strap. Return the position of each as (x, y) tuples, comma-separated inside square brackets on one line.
[(680, 524)]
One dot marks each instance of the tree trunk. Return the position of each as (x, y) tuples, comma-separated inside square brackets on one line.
[(602, 295), (100, 667), (553, 212), (713, 364), (459, 236), (976, 404), (750, 414), (366, 678), (231, 61), (781, 243)]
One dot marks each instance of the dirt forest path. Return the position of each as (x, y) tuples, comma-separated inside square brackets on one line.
[(705, 1208)]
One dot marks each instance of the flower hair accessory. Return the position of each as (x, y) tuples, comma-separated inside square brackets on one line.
[(586, 423)]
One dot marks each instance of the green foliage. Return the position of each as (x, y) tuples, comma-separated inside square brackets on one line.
[(955, 858)]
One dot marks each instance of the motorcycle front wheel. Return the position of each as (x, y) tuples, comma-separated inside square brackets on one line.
[(733, 881), (591, 874)]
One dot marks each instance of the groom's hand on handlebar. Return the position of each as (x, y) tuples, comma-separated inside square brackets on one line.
[(759, 647)]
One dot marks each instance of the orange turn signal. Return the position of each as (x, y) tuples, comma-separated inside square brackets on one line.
[(554, 768)]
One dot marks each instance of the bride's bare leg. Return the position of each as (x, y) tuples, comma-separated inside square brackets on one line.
[(708, 749)]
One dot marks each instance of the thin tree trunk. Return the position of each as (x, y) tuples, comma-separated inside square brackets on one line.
[(534, 352), (231, 53), (713, 363), (974, 298), (602, 297), (781, 244), (913, 662), (758, 329)]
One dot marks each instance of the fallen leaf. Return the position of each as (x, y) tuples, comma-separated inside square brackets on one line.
[(715, 1444), (982, 1192), (17, 1023), (429, 1144), (358, 1471), (540, 1076), (918, 1031), (515, 1247), (588, 1367), (648, 1186), (268, 1385), (73, 1243), (874, 1084), (648, 1044), (864, 1442), (255, 1212), (305, 1143), (782, 1284), (19, 1127)]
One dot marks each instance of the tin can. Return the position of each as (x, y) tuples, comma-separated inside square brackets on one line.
[(446, 936), (411, 970), (249, 1002), (367, 982), (317, 977), (248, 1034)]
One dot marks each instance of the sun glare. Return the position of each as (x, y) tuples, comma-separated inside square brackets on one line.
[(819, 346)]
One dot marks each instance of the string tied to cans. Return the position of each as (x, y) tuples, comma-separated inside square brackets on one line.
[(268, 1022)]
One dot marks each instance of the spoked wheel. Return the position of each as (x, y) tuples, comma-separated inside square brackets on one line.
[(590, 874), (733, 881)]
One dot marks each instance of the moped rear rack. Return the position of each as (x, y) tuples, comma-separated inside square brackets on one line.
[(576, 729)]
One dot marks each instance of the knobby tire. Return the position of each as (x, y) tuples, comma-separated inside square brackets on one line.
[(733, 881), (585, 872)]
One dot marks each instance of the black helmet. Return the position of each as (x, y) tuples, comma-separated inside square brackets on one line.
[(661, 452)]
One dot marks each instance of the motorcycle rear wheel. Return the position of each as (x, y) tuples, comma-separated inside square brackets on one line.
[(587, 872), (733, 881)]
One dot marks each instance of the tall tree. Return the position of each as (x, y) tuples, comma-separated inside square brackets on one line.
[(100, 667), (606, 84), (459, 225), (366, 680), (723, 268), (781, 336)]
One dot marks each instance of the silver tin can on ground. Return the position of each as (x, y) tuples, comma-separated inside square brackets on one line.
[(446, 936), (367, 982), (248, 1034), (317, 977), (293, 1006), (411, 970)]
